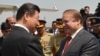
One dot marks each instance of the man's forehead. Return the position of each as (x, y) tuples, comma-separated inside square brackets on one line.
[(68, 14), (11, 18), (67, 17)]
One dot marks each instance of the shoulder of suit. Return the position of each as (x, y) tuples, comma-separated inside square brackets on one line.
[(1, 37), (86, 34)]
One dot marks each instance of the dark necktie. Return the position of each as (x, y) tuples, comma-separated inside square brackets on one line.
[(66, 45)]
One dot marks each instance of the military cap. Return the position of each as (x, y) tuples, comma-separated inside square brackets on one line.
[(53, 22), (59, 21), (41, 23), (59, 26), (95, 21)]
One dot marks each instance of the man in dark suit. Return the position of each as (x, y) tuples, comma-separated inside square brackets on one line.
[(5, 29), (80, 42), (20, 41)]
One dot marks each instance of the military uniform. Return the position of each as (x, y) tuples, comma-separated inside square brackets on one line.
[(47, 42), (59, 36), (58, 40)]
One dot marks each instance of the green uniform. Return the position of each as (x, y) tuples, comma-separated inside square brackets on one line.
[(58, 40), (47, 42)]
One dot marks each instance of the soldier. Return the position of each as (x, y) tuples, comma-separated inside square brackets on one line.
[(95, 23), (61, 33), (47, 39)]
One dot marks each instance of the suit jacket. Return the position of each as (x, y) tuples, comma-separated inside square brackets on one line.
[(98, 37), (84, 44), (21, 43), (1, 40)]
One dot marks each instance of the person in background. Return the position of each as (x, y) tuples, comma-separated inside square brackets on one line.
[(78, 41), (86, 9), (20, 41), (82, 12), (95, 23), (5, 29), (61, 33), (88, 24), (11, 21), (47, 39), (97, 10), (85, 14), (54, 28)]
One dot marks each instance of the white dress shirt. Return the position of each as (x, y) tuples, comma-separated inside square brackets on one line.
[(73, 35), (22, 27)]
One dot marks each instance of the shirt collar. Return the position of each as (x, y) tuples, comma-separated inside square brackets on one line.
[(73, 35), (22, 27)]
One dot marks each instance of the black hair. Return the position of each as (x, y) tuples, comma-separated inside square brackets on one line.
[(86, 7), (97, 10), (5, 26), (27, 7), (7, 21), (53, 21)]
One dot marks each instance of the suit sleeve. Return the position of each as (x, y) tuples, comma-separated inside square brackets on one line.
[(59, 52), (34, 48), (91, 48)]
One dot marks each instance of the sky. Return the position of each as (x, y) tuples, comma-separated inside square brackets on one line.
[(62, 5)]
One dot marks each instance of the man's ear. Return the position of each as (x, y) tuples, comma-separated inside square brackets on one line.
[(26, 16), (78, 22)]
